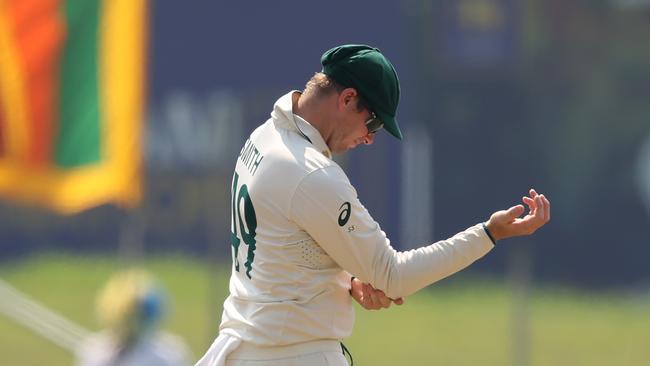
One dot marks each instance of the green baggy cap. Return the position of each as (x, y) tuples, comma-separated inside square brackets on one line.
[(367, 70)]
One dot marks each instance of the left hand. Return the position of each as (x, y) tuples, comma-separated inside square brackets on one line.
[(508, 223), (370, 298)]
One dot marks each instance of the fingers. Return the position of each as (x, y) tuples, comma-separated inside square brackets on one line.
[(538, 202), (540, 211), (530, 203), (544, 208), (384, 300), (547, 208), (379, 299), (366, 297), (373, 299)]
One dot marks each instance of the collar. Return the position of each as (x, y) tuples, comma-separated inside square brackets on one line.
[(283, 116)]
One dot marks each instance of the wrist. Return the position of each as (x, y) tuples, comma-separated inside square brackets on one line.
[(489, 232)]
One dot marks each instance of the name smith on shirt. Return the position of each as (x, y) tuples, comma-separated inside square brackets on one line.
[(250, 156)]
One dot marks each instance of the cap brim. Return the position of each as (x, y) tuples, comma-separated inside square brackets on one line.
[(390, 125)]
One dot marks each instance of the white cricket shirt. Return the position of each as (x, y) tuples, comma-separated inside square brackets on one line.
[(299, 231)]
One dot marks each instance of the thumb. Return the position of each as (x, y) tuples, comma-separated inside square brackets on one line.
[(356, 289), (514, 212)]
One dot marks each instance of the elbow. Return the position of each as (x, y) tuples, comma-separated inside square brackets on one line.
[(395, 289), (389, 278)]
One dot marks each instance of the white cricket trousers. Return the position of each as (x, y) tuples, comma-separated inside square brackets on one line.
[(230, 351)]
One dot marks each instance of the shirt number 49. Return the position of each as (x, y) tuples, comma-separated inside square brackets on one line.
[(243, 224)]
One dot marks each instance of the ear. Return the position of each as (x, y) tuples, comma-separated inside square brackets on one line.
[(346, 97)]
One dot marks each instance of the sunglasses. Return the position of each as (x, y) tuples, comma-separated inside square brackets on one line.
[(374, 124)]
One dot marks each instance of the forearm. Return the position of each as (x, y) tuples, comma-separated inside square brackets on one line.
[(400, 274)]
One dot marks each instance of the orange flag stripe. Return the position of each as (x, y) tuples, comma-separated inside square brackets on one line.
[(12, 93), (38, 49)]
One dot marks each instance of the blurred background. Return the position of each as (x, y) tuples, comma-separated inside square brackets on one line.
[(120, 122)]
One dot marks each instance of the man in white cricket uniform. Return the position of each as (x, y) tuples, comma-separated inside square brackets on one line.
[(301, 239)]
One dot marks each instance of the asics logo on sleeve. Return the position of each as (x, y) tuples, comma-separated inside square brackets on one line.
[(344, 213)]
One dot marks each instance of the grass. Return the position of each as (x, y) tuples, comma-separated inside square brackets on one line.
[(459, 322)]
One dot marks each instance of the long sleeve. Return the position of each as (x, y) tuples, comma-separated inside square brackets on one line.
[(326, 206)]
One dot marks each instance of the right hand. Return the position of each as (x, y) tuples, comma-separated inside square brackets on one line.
[(370, 298), (507, 223)]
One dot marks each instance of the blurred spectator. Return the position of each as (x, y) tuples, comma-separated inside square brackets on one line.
[(130, 308)]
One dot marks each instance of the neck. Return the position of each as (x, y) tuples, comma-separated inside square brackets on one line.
[(314, 111)]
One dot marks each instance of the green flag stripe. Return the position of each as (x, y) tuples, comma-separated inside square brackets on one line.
[(79, 134)]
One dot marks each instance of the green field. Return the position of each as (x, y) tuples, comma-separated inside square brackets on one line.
[(458, 322)]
